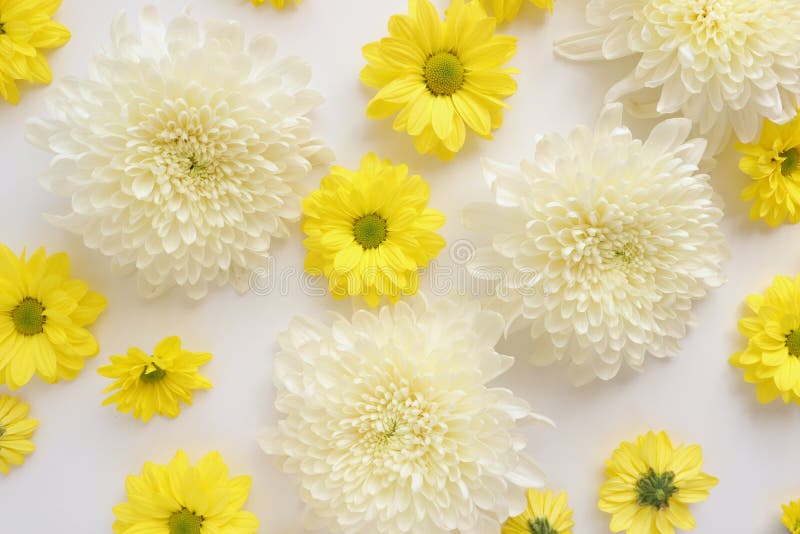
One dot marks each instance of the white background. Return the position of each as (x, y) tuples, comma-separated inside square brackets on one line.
[(71, 482)]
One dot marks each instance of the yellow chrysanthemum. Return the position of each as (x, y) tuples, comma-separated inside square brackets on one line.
[(771, 360), (370, 230), (651, 483), (149, 385), (182, 499), (791, 516), (546, 514), (774, 165), (505, 10), (43, 318), (441, 75), (15, 432), (26, 29), (279, 4)]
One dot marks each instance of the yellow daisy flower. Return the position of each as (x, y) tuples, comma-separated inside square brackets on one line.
[(505, 10), (441, 75), (15, 432), (651, 483), (182, 499), (546, 514), (148, 385), (25, 29), (771, 360), (279, 4), (369, 231), (774, 165), (43, 318), (791, 516)]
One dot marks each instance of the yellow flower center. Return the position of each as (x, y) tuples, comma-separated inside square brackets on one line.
[(444, 73), (656, 489), (185, 522), (152, 374), (28, 317), (793, 343), (790, 161), (370, 231), (540, 525)]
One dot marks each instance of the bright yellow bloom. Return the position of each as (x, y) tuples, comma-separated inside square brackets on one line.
[(43, 318), (441, 75), (149, 385), (182, 499), (505, 10), (546, 514), (15, 432), (791, 516), (370, 230), (25, 29), (771, 360), (279, 4), (774, 165), (650, 483)]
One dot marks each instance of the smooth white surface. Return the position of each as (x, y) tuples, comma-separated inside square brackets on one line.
[(71, 482)]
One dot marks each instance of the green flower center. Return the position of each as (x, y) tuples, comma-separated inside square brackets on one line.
[(152, 374), (792, 158), (185, 522), (2, 431), (540, 525), (656, 489), (793, 343), (370, 231), (444, 73), (28, 317)]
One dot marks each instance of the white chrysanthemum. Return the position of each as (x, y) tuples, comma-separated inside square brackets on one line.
[(601, 243), (182, 154), (389, 424), (722, 63)]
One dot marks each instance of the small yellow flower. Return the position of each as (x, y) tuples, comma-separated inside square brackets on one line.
[(148, 385), (650, 484), (43, 318), (774, 165), (15, 432), (546, 514), (279, 4), (179, 498), (791, 516), (25, 29), (771, 360), (370, 230), (441, 75), (505, 10)]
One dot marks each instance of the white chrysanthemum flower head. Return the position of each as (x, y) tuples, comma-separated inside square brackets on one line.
[(183, 153), (389, 424), (725, 64), (601, 243)]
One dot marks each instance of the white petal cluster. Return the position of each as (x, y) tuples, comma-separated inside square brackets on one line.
[(183, 152), (388, 423), (725, 64), (601, 243)]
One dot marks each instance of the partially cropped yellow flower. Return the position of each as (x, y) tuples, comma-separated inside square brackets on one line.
[(505, 10), (774, 165), (441, 76), (147, 385), (15, 432), (43, 318), (279, 4), (370, 230), (546, 514), (771, 360), (650, 484), (179, 498), (791, 516), (26, 29)]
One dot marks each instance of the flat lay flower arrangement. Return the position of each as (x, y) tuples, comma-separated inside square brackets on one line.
[(413, 266)]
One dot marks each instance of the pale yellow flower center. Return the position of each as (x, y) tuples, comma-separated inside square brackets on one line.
[(152, 373), (793, 343), (540, 525), (370, 231), (185, 522), (28, 317), (791, 158), (444, 73), (656, 489)]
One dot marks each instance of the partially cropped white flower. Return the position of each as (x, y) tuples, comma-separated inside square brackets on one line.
[(722, 63), (601, 243), (183, 152), (390, 427)]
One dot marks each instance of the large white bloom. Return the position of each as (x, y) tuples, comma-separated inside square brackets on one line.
[(389, 424), (600, 243), (721, 63), (182, 154)]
